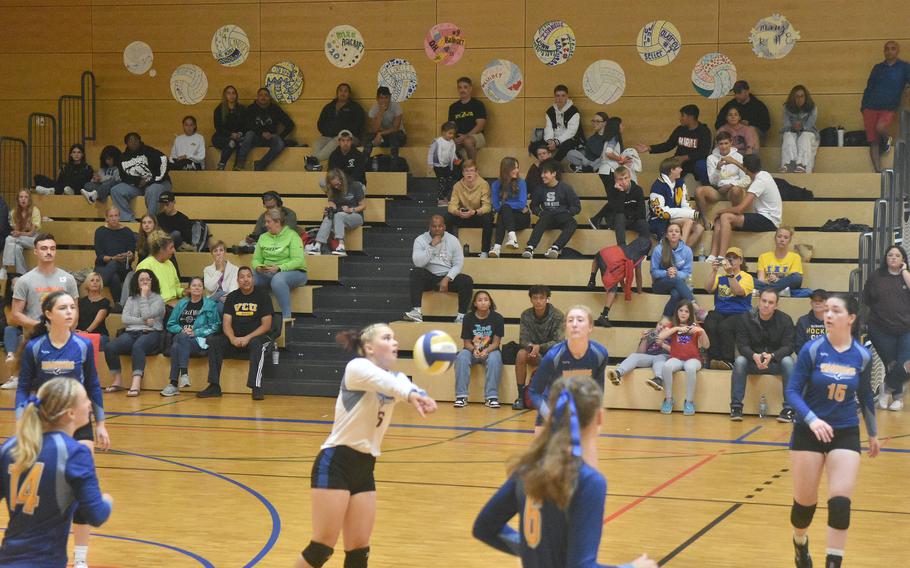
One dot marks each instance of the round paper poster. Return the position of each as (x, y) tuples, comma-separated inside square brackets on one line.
[(658, 43), (400, 77), (284, 81), (713, 75), (189, 84), (444, 44), (344, 46), (230, 46), (604, 81), (501, 81), (554, 43), (773, 37), (138, 57)]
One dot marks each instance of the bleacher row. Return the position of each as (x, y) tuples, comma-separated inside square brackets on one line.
[(839, 191)]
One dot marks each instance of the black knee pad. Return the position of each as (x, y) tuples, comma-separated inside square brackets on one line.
[(316, 554), (356, 558), (801, 515), (839, 513)]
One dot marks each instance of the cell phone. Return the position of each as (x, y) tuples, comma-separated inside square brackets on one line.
[(464, 209)]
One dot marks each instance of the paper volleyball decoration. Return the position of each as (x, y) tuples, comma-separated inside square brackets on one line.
[(189, 84), (138, 57), (434, 352), (444, 44), (773, 37), (501, 81), (658, 43), (284, 81), (554, 43), (713, 75), (344, 46), (400, 77), (230, 46), (604, 81)]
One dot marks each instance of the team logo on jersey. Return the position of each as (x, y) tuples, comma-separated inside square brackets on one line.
[(58, 367), (837, 372), (576, 373)]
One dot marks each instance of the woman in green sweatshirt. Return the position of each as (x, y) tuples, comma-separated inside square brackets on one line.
[(279, 262)]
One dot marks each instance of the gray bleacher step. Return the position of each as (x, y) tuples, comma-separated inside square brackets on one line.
[(365, 298), (317, 378)]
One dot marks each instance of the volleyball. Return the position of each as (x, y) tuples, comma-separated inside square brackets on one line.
[(400, 77), (138, 57), (444, 44), (434, 352), (773, 37), (604, 82), (554, 43), (713, 76), (284, 81), (501, 81), (344, 46), (658, 43), (189, 84), (230, 46)]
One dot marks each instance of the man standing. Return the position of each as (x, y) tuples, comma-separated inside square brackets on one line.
[(692, 140), (470, 118), (542, 326), (266, 125), (114, 249), (438, 260), (159, 262), (881, 98), (173, 222), (752, 111), (143, 171), (563, 128)]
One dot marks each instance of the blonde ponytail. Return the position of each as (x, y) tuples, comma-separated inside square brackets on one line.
[(41, 413)]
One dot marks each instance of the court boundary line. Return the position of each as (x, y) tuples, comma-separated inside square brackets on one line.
[(703, 531)]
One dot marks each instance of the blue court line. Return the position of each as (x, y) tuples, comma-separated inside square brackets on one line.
[(749, 433)]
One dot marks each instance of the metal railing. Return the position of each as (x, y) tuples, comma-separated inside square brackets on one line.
[(42, 145), (13, 166), (89, 130), (70, 124)]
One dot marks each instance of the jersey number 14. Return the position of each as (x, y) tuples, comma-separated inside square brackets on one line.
[(27, 495)]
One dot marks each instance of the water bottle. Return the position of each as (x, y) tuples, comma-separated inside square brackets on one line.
[(701, 253), (840, 136), (762, 406), (275, 356), (466, 249), (374, 163), (690, 283)]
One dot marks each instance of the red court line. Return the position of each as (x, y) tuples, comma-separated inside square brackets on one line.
[(659, 488)]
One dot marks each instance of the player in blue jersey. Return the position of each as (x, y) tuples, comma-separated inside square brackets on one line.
[(576, 356), (47, 478), (53, 350), (555, 488), (829, 381)]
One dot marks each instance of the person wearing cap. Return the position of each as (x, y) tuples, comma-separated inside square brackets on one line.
[(812, 325), (881, 98), (385, 127), (341, 114), (173, 222), (143, 171), (752, 111), (271, 200), (732, 287), (347, 158)]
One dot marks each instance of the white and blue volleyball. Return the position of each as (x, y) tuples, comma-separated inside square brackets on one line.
[(434, 352)]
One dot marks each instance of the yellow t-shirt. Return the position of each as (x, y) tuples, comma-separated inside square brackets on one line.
[(770, 264)]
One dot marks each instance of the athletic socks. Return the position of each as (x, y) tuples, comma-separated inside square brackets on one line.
[(833, 558), (80, 553)]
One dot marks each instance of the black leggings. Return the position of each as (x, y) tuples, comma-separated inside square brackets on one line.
[(510, 220)]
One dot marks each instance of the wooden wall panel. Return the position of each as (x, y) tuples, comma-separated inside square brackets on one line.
[(481, 22), (41, 76), (33, 29)]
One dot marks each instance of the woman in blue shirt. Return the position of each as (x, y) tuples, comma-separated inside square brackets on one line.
[(830, 382), (509, 197)]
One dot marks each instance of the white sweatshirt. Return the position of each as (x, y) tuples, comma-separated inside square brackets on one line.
[(441, 153), (728, 174), (193, 147)]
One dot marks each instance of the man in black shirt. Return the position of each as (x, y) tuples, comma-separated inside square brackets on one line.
[(266, 124), (348, 159), (752, 111), (692, 140), (173, 222), (246, 322), (470, 118)]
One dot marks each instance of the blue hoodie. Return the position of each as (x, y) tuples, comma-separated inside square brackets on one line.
[(516, 202), (682, 260)]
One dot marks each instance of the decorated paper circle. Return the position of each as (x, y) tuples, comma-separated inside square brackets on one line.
[(658, 43), (344, 46), (189, 84), (284, 81), (604, 81), (554, 42), (138, 57), (400, 77), (713, 75), (773, 37), (501, 81), (230, 46), (444, 44)]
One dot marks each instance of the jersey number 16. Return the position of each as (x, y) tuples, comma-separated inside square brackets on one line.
[(837, 392)]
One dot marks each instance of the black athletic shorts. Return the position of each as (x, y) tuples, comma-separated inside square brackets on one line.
[(85, 432), (756, 223), (342, 467), (804, 440)]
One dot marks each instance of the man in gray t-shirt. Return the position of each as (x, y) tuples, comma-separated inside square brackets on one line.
[(33, 286), (385, 124)]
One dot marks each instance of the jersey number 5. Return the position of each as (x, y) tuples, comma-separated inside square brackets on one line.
[(27, 495), (531, 523), (837, 392)]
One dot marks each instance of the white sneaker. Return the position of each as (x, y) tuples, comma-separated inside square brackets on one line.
[(183, 381), (414, 315), (68, 191), (483, 255), (339, 251), (785, 293), (883, 400), (3, 274), (528, 253), (39, 189), (170, 390), (512, 241), (552, 252), (90, 196), (314, 249), (80, 564), (897, 404), (459, 318), (11, 383), (494, 252)]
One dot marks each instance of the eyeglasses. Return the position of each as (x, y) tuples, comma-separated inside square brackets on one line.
[(596, 120)]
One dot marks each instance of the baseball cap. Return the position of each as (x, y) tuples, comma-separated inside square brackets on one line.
[(740, 86), (735, 250), (272, 195), (345, 134), (818, 294), (166, 197)]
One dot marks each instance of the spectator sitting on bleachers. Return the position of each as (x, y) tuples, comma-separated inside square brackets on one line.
[(781, 269), (278, 261), (881, 98), (745, 137), (339, 114), (229, 125), (470, 205), (470, 118), (438, 262), (143, 171), (220, 277), (159, 263), (686, 341), (509, 198), (541, 327), (812, 325), (188, 151), (443, 161), (343, 211), (614, 154), (174, 223), (191, 322), (588, 159), (671, 267), (764, 338), (652, 352), (114, 249), (246, 323), (692, 140), (143, 317), (625, 207), (765, 197), (385, 127), (73, 175), (556, 205), (5, 230), (617, 264), (94, 309), (481, 332), (348, 159), (25, 222), (107, 176), (265, 124), (799, 136), (149, 232), (752, 111), (726, 179), (732, 291), (540, 153), (668, 203), (271, 200), (562, 129)]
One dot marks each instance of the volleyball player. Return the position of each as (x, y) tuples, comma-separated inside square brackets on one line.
[(828, 383), (47, 477), (555, 488), (53, 350), (344, 491)]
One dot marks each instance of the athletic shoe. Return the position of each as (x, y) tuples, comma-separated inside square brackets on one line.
[(313, 248), (3, 274), (69, 191), (11, 383), (170, 390), (886, 144), (458, 318), (220, 167), (483, 255), (614, 377), (183, 381), (688, 408), (800, 169), (882, 400), (736, 414), (257, 394), (209, 391), (602, 321), (518, 404), (552, 252), (592, 223), (833, 560), (719, 365), (90, 196), (512, 240), (667, 406), (802, 558), (528, 253), (494, 252), (339, 251), (442, 203), (896, 404), (414, 315), (492, 403), (785, 293), (786, 415), (656, 383), (460, 402), (80, 564)]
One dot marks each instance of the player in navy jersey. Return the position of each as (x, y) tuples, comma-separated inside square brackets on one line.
[(576, 356), (47, 478), (53, 350), (829, 382), (343, 488), (555, 488)]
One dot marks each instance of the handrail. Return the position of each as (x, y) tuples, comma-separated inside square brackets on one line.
[(69, 109), (13, 172), (39, 124), (89, 131), (866, 263)]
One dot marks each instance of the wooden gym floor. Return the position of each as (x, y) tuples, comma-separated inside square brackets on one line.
[(225, 482)]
